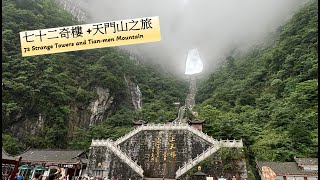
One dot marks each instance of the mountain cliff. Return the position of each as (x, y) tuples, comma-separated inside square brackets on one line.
[(269, 97), (48, 100)]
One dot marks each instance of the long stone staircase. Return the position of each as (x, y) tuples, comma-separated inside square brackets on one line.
[(177, 124), (215, 145), (108, 143), (128, 135), (214, 148), (163, 127), (180, 115)]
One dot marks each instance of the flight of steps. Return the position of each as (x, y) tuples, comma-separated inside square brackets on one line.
[(163, 127), (180, 115), (214, 148), (215, 145), (110, 145)]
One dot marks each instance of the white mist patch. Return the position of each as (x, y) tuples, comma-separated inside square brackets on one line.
[(194, 64), (215, 27)]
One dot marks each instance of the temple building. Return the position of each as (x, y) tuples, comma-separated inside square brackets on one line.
[(197, 124), (70, 162), (138, 123), (301, 169)]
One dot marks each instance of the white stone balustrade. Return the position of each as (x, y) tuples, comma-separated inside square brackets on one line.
[(207, 153), (119, 153), (216, 145), (161, 127)]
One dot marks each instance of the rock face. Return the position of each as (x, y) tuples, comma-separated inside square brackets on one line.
[(76, 8), (135, 93), (100, 105), (78, 118), (94, 113), (28, 127), (159, 153)]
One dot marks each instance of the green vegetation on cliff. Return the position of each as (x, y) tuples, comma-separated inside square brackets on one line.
[(269, 98), (48, 87)]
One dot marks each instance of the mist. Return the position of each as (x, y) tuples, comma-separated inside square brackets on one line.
[(214, 27)]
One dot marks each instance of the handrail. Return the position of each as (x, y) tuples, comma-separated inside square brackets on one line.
[(214, 148), (124, 157), (215, 144), (190, 164), (128, 135), (170, 126)]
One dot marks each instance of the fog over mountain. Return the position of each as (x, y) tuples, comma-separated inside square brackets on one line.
[(214, 27)]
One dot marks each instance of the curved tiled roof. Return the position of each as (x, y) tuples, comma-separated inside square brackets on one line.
[(51, 155), (139, 122), (196, 121), (285, 168), (5, 155), (306, 161)]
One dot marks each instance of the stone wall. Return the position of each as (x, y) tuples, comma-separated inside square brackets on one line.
[(161, 153), (226, 162), (104, 163)]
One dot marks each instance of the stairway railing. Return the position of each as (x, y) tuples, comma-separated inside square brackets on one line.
[(231, 143), (128, 135), (215, 145), (108, 143), (202, 135), (169, 126), (191, 163), (214, 148)]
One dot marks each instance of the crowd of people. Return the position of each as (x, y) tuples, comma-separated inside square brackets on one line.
[(58, 176)]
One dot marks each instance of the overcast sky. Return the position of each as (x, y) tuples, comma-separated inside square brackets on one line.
[(214, 27)]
